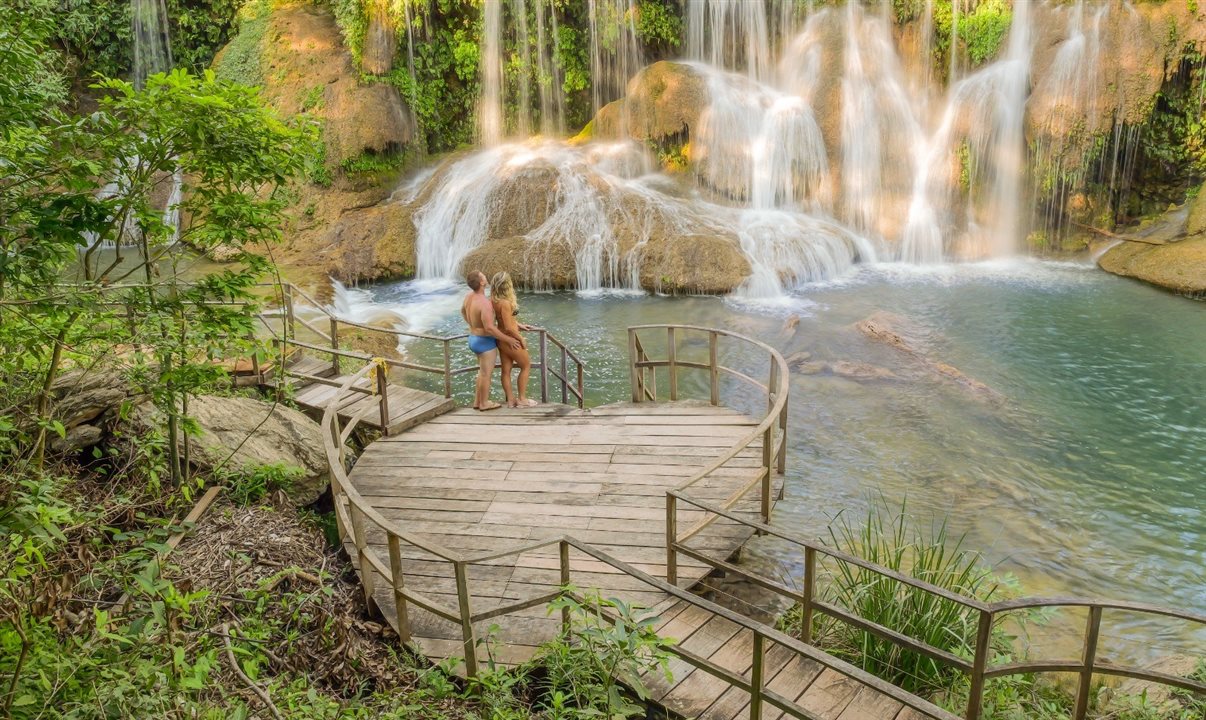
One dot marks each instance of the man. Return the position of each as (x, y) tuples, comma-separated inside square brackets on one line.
[(484, 337)]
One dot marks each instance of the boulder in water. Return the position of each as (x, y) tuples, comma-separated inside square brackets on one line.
[(1178, 266), (663, 100), (1169, 252), (372, 243), (708, 264)]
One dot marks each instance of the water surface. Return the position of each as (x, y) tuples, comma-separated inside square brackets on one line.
[(1081, 471)]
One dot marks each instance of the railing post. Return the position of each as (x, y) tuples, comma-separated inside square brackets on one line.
[(564, 377), (783, 433), (756, 677), (544, 365), (289, 326), (671, 539), (366, 568), (383, 390), (581, 386), (447, 368), (1088, 658), (395, 569), (714, 365), (975, 696), (638, 387), (768, 470), (672, 361), (335, 344), (810, 584), (462, 601), (564, 549)]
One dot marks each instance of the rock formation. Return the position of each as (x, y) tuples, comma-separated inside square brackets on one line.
[(1169, 252)]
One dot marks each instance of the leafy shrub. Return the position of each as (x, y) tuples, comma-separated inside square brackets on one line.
[(657, 25), (610, 642), (248, 486), (888, 539), (982, 30)]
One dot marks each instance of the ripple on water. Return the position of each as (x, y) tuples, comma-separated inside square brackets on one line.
[(1086, 480)]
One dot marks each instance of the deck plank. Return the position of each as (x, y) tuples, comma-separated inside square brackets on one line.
[(478, 483)]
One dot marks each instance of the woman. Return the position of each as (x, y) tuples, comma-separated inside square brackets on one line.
[(506, 310)]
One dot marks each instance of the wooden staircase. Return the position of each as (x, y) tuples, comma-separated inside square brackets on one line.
[(384, 406)]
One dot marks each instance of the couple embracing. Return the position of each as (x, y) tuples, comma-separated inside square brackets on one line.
[(494, 329)]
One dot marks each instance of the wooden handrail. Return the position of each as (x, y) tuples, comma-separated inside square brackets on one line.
[(980, 669)]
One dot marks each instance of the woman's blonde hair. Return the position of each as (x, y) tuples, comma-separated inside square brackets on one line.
[(501, 288)]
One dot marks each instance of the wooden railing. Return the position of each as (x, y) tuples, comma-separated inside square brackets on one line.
[(357, 520), (643, 373), (555, 363), (987, 615)]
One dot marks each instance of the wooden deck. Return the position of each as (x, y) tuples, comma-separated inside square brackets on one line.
[(477, 482), (406, 407)]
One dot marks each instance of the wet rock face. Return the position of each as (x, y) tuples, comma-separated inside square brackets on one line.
[(663, 100), (373, 243), (1169, 252), (308, 69)]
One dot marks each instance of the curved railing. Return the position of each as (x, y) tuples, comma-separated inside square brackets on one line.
[(643, 374), (358, 521), (567, 376)]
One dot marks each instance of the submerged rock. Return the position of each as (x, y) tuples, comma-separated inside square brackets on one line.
[(908, 337)]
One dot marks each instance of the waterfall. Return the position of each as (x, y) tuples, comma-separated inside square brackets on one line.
[(995, 230), (152, 50), (1067, 104), (828, 136), (490, 107), (615, 50)]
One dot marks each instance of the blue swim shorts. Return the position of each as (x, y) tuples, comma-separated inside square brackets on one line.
[(482, 343)]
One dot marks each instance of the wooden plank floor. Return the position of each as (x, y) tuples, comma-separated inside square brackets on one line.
[(480, 482), (407, 407)]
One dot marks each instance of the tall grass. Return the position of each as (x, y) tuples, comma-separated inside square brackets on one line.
[(927, 552)]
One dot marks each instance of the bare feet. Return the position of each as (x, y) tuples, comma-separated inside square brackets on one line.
[(526, 402), (488, 406)]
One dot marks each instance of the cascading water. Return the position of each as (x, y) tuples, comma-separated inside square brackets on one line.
[(821, 143), (490, 107), (152, 50)]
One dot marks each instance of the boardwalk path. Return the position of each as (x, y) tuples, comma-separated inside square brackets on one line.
[(480, 520), (475, 482)]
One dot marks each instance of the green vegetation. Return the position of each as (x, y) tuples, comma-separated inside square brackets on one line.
[(888, 538), (240, 61), (96, 35), (984, 29), (658, 26), (353, 21)]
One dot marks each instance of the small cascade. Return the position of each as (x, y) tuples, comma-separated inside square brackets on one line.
[(759, 145), (731, 34), (995, 223), (152, 49), (486, 196), (490, 107), (615, 49), (1067, 104), (549, 78)]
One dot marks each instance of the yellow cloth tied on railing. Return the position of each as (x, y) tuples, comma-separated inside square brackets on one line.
[(378, 366)]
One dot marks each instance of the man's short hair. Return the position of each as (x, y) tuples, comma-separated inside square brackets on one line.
[(474, 279)]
